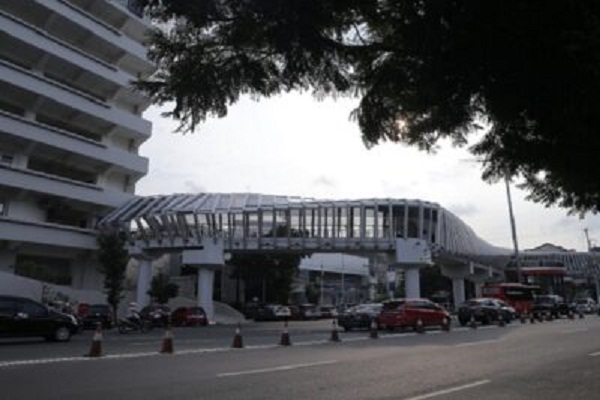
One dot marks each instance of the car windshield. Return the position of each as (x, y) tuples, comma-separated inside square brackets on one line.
[(97, 309)]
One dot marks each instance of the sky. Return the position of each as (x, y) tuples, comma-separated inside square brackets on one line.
[(295, 145)]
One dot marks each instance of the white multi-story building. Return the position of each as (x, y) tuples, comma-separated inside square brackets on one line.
[(70, 129)]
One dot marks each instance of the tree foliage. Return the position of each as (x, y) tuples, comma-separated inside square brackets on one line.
[(113, 260), (161, 290), (423, 70)]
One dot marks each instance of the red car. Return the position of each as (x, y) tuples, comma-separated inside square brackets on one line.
[(401, 313), (189, 316)]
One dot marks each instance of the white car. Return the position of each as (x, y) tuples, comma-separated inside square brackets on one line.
[(587, 306), (280, 311)]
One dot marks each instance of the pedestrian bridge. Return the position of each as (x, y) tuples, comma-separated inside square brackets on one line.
[(205, 227), (255, 222)]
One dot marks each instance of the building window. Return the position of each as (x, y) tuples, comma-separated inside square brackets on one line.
[(6, 159), (3, 207)]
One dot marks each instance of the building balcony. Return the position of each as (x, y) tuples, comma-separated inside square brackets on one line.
[(39, 182), (47, 234), (86, 31), (61, 139), (47, 89)]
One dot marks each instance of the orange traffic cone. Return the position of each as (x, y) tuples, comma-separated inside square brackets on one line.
[(446, 324), (419, 328), (96, 347), (532, 318), (570, 315), (581, 316), (523, 318), (373, 332), (167, 342), (285, 336), (549, 317), (238, 343), (335, 337)]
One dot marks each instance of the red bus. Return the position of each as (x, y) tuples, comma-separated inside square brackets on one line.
[(517, 295)]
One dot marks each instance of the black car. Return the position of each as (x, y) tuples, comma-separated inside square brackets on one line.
[(551, 304), (97, 313), (22, 317), (484, 311), (158, 315), (359, 317)]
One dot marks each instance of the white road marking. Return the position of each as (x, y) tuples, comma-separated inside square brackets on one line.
[(596, 354), (477, 342), (276, 369), (575, 330), (450, 390)]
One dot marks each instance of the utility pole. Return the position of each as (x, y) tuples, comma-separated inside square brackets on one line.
[(343, 283), (321, 289), (513, 229), (595, 273)]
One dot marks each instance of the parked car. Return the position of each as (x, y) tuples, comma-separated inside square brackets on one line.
[(552, 304), (328, 312), (189, 316), (401, 313), (158, 315), (360, 316), (23, 317), (485, 311), (587, 306), (310, 311), (272, 312), (96, 313)]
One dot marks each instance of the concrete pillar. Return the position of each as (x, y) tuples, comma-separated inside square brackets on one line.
[(206, 279), (206, 259), (458, 290), (478, 289), (143, 283), (411, 282)]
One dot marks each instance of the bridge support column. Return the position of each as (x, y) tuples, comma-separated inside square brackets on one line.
[(144, 278), (458, 290), (206, 260), (411, 255), (412, 284), (206, 279), (478, 287)]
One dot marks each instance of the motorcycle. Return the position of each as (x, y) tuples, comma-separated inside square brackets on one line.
[(128, 325)]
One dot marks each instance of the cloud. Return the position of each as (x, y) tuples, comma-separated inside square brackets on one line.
[(464, 210), (324, 181), (193, 187)]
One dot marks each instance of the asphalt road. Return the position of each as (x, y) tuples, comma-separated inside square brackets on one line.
[(557, 360)]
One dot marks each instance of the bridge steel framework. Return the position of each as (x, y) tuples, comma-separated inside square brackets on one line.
[(205, 227)]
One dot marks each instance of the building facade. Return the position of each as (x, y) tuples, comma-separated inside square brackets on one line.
[(70, 130)]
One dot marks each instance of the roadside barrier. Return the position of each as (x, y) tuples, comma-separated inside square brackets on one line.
[(285, 336), (419, 327), (238, 342), (373, 332), (96, 346), (335, 336), (167, 341)]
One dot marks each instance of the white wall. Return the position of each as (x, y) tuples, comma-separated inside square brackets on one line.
[(19, 286)]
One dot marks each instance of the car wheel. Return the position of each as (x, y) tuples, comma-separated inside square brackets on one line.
[(62, 334)]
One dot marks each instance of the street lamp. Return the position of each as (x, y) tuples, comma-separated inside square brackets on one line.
[(513, 228)]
